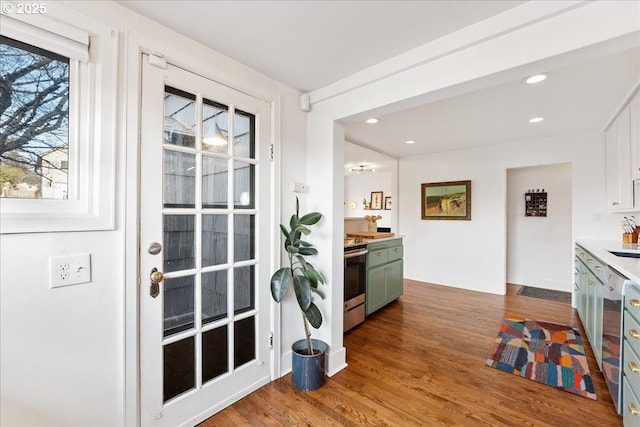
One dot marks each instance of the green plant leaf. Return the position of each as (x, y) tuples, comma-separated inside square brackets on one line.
[(313, 315), (293, 222), (302, 229), (292, 249), (307, 251), (303, 243), (313, 275), (311, 218), (302, 262), (303, 291), (280, 282), (285, 232), (318, 292)]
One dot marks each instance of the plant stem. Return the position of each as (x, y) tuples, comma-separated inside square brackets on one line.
[(307, 334)]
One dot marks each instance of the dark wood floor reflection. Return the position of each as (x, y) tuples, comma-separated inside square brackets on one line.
[(421, 361)]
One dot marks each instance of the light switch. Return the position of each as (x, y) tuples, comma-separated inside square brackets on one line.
[(69, 270), (299, 187)]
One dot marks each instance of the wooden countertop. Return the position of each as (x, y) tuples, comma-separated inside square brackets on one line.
[(370, 234)]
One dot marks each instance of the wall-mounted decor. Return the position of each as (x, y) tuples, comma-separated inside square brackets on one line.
[(376, 200), (446, 200), (535, 203), (387, 203)]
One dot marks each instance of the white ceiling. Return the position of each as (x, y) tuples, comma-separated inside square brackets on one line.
[(310, 44)]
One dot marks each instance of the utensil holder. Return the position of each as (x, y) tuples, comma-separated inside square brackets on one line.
[(630, 237)]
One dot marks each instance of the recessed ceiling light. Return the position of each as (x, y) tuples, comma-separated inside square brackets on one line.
[(410, 141), (536, 78), (372, 120), (536, 120)]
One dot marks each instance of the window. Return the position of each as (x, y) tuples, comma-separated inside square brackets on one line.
[(34, 121), (58, 85)]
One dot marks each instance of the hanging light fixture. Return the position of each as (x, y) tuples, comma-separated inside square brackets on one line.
[(361, 169), (217, 139)]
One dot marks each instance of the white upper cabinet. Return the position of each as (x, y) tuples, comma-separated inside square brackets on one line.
[(620, 159), (634, 119)]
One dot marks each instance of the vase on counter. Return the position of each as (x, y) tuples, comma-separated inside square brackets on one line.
[(372, 226)]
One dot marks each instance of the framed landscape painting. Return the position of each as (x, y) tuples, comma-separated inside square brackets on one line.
[(446, 200)]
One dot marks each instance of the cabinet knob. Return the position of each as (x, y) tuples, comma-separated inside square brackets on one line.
[(598, 268), (634, 368), (634, 303), (589, 260), (633, 409), (634, 334), (615, 203)]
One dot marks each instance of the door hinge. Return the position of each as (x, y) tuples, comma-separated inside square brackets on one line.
[(270, 339), (271, 152)]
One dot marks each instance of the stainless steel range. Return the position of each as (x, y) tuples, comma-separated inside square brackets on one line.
[(355, 279)]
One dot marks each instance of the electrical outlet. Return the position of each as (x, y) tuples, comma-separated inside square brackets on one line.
[(69, 270)]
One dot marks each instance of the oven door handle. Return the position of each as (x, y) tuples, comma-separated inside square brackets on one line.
[(355, 253)]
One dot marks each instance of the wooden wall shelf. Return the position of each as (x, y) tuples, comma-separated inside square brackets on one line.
[(535, 203)]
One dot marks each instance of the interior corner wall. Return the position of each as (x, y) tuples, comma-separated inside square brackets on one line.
[(540, 248), (472, 254)]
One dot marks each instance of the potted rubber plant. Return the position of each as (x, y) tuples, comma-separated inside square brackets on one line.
[(308, 363)]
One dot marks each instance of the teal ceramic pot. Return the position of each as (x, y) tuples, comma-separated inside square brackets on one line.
[(308, 371)]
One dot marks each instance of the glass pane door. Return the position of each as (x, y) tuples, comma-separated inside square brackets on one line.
[(209, 240), (205, 198)]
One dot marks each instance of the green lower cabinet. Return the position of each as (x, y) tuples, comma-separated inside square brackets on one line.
[(384, 274), (376, 288), (394, 280)]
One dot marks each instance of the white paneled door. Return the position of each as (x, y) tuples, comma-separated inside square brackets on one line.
[(204, 236)]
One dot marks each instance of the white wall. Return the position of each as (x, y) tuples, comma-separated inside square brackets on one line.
[(62, 349), (69, 354), (472, 254), (540, 249)]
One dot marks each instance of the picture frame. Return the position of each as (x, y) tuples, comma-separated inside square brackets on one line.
[(376, 200), (387, 203), (446, 200)]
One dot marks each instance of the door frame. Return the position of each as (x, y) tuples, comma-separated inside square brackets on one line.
[(129, 158)]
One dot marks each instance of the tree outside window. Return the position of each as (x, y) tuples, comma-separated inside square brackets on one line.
[(34, 121)]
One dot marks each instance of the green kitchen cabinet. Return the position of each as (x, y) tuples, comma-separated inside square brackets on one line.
[(384, 273), (592, 275)]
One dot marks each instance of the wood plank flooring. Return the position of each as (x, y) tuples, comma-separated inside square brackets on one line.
[(421, 361)]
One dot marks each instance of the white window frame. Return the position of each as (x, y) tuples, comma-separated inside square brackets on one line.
[(92, 49)]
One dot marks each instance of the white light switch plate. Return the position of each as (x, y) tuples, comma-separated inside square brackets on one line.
[(69, 270), (299, 187)]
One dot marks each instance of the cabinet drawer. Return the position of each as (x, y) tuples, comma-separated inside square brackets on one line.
[(581, 253), (632, 332), (377, 257), (597, 267), (631, 367), (395, 253), (632, 302), (630, 405)]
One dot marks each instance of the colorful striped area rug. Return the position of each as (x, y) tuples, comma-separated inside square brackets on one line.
[(545, 352)]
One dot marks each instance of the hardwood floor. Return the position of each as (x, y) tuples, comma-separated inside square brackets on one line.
[(421, 361)]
